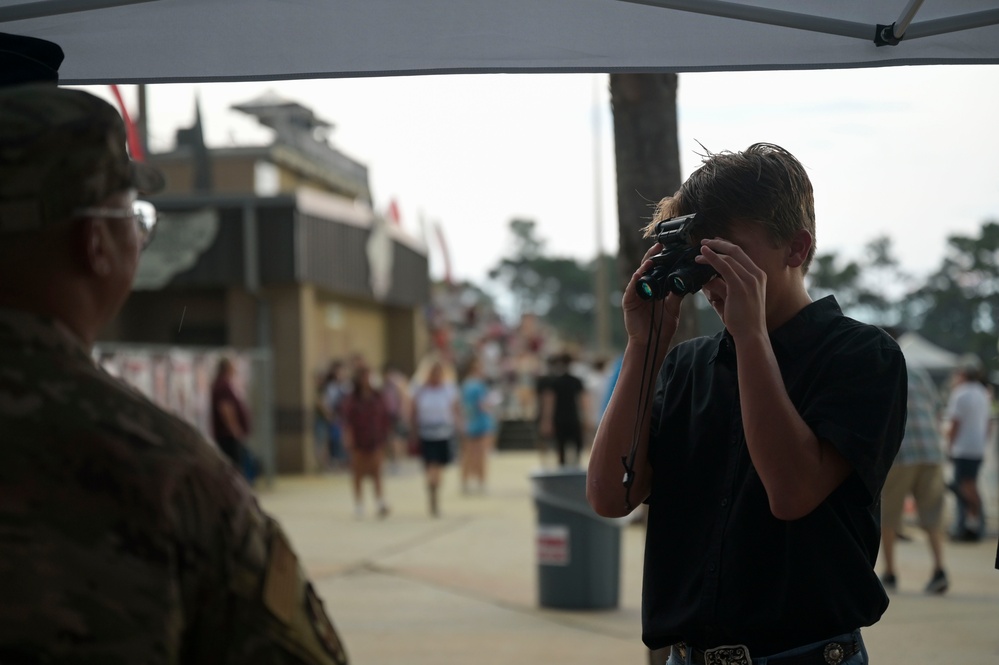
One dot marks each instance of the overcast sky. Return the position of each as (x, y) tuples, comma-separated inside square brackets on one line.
[(911, 152)]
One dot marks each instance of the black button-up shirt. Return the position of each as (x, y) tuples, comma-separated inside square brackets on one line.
[(719, 567)]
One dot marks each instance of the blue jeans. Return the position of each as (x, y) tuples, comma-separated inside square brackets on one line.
[(859, 658)]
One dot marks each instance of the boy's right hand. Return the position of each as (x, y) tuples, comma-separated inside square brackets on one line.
[(638, 312)]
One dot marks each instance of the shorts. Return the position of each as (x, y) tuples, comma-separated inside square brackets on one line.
[(966, 469), (569, 432), (437, 451), (925, 483)]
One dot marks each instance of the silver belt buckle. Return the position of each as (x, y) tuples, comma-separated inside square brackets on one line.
[(732, 654), (834, 653)]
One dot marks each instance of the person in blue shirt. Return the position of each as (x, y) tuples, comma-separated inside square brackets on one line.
[(480, 426)]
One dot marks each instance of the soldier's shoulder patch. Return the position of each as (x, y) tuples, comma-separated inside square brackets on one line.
[(325, 632), (281, 584)]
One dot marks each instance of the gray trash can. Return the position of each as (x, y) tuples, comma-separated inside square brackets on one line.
[(578, 552)]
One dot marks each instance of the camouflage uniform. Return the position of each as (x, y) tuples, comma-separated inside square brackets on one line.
[(125, 537)]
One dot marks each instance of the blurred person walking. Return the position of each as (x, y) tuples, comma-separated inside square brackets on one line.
[(230, 417), (335, 388), (435, 421), (917, 471), (968, 414), (480, 426), (564, 406), (322, 422), (128, 537), (395, 388), (366, 429)]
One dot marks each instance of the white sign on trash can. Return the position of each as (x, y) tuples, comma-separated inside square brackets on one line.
[(553, 545)]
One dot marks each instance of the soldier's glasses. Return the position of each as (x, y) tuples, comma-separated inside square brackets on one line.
[(143, 212)]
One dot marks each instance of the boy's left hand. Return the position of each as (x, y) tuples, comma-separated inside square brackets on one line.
[(741, 300)]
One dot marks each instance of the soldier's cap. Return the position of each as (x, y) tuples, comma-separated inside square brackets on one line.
[(26, 59), (61, 150)]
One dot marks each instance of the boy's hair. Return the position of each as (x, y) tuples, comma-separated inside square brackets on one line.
[(765, 184)]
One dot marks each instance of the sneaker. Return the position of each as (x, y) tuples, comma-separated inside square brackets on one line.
[(938, 583), (383, 511), (966, 535), (889, 582)]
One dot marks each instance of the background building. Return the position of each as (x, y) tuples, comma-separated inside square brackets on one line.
[(277, 248)]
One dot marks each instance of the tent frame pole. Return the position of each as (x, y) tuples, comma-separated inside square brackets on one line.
[(883, 34), (764, 15), (42, 8), (902, 24)]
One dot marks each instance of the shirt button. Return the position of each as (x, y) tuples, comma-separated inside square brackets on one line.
[(711, 567), (724, 502)]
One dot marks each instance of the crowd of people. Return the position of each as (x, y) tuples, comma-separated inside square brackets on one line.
[(368, 422)]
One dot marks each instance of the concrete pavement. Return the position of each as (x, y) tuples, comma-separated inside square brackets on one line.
[(462, 588)]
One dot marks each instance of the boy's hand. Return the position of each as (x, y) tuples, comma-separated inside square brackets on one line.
[(638, 312), (741, 301)]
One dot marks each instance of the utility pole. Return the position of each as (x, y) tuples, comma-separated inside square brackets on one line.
[(601, 295)]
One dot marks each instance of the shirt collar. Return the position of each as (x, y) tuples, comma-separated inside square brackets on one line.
[(800, 331), (796, 334), (27, 330)]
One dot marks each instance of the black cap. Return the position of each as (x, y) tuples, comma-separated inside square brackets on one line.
[(28, 60)]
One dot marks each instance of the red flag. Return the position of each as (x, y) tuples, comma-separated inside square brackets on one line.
[(393, 213), (444, 252), (131, 132)]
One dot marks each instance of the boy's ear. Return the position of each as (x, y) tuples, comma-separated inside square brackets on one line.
[(797, 250)]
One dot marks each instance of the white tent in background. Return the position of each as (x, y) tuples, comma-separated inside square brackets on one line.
[(162, 41), (920, 352)]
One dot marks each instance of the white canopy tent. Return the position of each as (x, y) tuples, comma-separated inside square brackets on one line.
[(920, 352), (153, 41)]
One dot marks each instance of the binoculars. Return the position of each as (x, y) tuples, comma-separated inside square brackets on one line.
[(674, 269)]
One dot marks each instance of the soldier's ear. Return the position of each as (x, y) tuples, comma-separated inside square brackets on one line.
[(96, 247)]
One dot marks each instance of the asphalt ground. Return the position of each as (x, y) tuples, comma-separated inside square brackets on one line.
[(463, 588)]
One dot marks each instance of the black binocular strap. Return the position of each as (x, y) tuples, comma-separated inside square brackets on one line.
[(644, 395)]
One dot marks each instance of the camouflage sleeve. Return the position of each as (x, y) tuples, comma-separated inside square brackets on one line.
[(278, 616), (254, 602)]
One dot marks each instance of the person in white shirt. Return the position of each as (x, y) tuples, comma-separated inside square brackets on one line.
[(968, 414), (436, 421)]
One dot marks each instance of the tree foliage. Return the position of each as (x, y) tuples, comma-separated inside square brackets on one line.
[(870, 288), (559, 289), (955, 307), (958, 306)]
